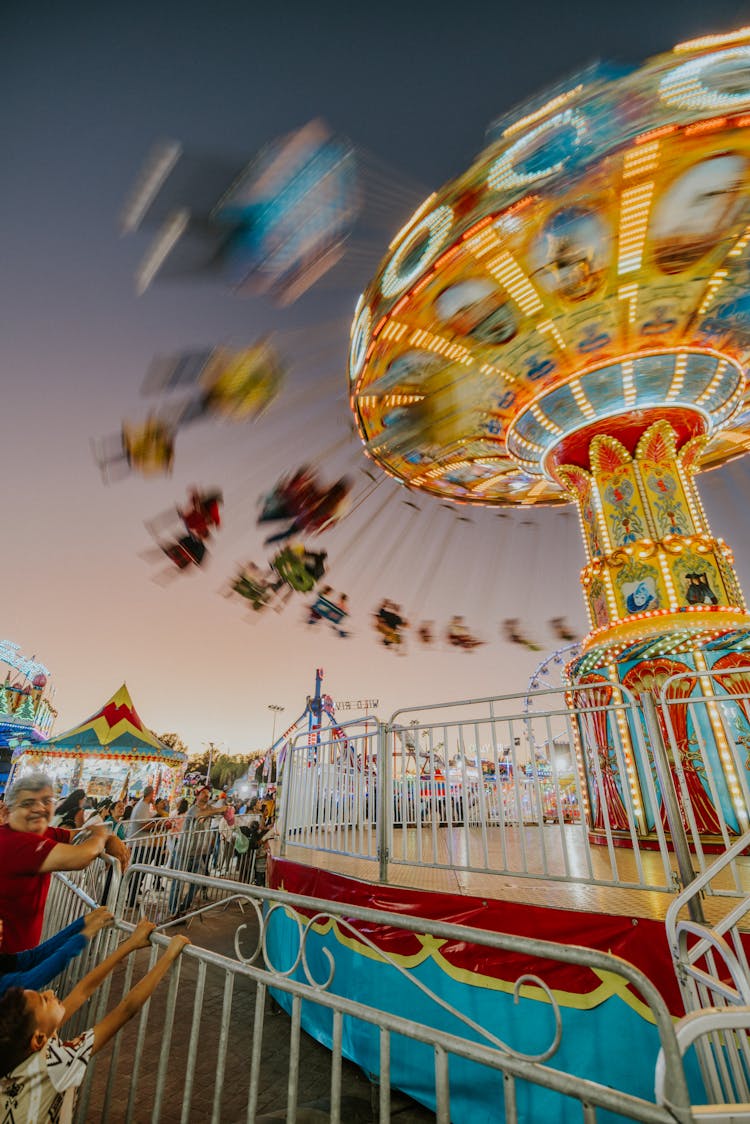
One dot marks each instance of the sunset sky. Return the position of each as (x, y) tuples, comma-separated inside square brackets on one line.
[(86, 90)]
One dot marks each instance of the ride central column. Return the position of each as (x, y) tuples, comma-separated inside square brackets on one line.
[(663, 599), (652, 561)]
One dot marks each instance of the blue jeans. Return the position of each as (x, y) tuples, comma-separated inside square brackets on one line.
[(142, 852), (195, 864)]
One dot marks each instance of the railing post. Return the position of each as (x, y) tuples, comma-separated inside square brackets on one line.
[(671, 802), (286, 783), (384, 802)]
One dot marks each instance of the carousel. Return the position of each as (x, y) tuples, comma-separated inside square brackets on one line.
[(111, 754), (26, 710)]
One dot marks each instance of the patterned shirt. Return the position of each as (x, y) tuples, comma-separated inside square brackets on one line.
[(42, 1089)]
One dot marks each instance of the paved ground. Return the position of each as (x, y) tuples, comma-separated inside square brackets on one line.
[(136, 1068)]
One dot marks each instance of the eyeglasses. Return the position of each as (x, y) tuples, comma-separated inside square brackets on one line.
[(45, 801)]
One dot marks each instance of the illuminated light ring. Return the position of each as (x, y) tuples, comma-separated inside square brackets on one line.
[(552, 149), (10, 655), (360, 341), (713, 417), (502, 174), (538, 465), (438, 223), (626, 632), (684, 86)]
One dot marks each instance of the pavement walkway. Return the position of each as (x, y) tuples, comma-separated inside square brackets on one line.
[(136, 1066)]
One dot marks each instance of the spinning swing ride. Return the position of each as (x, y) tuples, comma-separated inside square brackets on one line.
[(568, 322)]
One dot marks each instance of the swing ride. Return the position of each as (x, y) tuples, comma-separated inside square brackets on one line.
[(564, 324), (567, 322), (210, 384), (310, 506), (182, 533)]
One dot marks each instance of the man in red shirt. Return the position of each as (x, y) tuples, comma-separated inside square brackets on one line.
[(30, 850)]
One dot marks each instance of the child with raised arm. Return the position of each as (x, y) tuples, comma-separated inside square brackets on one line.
[(40, 1072), (37, 967)]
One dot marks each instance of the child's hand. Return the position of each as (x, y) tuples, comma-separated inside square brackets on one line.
[(97, 920), (176, 946), (141, 936)]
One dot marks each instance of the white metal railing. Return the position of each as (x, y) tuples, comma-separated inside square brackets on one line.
[(496, 785), (713, 971), (329, 795), (192, 1080), (489, 785), (531, 813), (726, 1027), (706, 724)]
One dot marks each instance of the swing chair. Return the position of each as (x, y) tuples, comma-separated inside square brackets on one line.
[(326, 609)]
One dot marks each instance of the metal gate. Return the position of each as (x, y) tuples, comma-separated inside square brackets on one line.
[(198, 1049)]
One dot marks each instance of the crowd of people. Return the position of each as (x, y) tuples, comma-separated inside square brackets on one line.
[(195, 838), (40, 1070)]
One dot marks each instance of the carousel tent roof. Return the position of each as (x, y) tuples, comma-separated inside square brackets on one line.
[(116, 730)]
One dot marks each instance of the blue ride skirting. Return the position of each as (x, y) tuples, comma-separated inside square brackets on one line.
[(607, 1035)]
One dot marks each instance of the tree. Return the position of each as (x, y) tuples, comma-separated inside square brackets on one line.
[(174, 741), (225, 770), (197, 763)]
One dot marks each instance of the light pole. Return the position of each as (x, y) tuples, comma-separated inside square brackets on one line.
[(276, 710), (211, 748)]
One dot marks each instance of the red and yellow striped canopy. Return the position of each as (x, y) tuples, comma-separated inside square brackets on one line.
[(116, 730)]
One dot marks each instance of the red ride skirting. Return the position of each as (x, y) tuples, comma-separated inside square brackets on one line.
[(642, 941), (651, 843)]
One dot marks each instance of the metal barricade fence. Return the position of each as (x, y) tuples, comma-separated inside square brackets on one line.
[(199, 1048), (706, 724), (204, 848), (329, 791), (492, 786), (97, 884), (713, 971), (71, 896), (153, 891)]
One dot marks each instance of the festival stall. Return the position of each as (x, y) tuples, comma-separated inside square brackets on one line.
[(110, 754)]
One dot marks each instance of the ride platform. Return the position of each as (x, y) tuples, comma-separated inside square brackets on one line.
[(437, 871)]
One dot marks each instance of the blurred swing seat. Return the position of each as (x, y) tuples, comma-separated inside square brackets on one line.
[(328, 610)]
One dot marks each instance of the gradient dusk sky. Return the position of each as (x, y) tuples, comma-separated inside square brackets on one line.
[(87, 88)]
